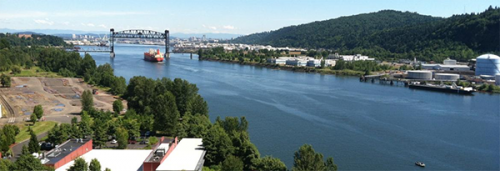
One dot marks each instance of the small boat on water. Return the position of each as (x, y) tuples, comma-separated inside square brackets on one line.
[(443, 88), (420, 164)]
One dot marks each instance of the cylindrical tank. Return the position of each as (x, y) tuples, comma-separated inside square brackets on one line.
[(488, 64), (447, 77), (421, 75), (497, 79)]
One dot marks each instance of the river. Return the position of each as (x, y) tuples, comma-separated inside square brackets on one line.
[(364, 126)]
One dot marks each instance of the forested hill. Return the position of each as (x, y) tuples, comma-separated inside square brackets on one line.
[(393, 34)]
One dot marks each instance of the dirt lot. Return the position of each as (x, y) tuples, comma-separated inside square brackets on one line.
[(58, 96)]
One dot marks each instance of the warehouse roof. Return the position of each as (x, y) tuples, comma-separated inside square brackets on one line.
[(188, 155), (63, 150), (114, 159)]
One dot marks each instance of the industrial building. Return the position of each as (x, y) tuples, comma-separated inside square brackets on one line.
[(188, 155), (420, 75), (488, 64), (113, 159), (448, 65), (66, 152), (446, 77), (167, 154)]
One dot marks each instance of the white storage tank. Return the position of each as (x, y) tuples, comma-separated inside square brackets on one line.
[(497, 79), (447, 77), (421, 75), (488, 64)]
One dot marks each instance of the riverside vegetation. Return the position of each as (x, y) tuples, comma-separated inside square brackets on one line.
[(260, 58), (390, 35), (153, 105)]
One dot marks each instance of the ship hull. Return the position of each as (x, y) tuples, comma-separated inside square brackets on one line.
[(147, 57), (440, 89)]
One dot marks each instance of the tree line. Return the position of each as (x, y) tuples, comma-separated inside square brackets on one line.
[(391, 35)]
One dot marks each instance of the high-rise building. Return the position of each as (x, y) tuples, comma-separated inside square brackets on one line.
[(74, 36)]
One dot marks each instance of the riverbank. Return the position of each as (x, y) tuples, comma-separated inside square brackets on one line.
[(345, 72)]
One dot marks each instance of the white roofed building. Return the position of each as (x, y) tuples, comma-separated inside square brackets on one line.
[(188, 155)]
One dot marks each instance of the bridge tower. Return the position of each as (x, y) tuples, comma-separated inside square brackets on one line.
[(111, 43)]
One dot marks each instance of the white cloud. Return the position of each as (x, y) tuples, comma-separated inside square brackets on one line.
[(103, 26), (65, 23), (229, 27), (42, 21), (212, 27), (90, 25)]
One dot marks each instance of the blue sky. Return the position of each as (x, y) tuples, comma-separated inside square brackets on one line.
[(207, 16)]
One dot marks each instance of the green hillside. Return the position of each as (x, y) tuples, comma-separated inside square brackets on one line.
[(393, 34)]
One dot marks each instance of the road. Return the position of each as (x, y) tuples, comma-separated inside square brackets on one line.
[(18, 148)]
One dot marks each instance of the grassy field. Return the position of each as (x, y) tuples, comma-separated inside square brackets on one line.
[(33, 72), (39, 128)]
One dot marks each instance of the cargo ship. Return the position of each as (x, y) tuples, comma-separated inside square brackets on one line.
[(443, 88), (153, 56)]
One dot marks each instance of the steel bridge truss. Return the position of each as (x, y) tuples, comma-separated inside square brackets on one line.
[(138, 34)]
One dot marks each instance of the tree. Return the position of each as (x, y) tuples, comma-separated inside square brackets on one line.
[(87, 101), (94, 165), (198, 106), (5, 80), (33, 145), (166, 113), (232, 163), (100, 128), (6, 165), (79, 165), (307, 159), (117, 106), (270, 163), (38, 111), (330, 165), (28, 162), (107, 169), (4, 146), (16, 70), (85, 127), (121, 137), (33, 118), (218, 145)]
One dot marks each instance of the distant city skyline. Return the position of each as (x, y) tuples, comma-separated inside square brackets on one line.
[(217, 16)]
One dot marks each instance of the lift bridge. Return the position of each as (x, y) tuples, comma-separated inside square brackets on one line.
[(132, 34)]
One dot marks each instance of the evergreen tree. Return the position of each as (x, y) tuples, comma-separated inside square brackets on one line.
[(270, 163), (307, 159), (330, 165), (122, 138), (166, 113), (232, 163), (87, 101), (38, 111), (94, 165), (117, 106), (33, 145), (33, 118), (85, 126), (28, 162), (79, 165)]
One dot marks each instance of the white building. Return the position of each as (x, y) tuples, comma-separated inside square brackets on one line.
[(188, 155), (114, 159), (314, 63), (445, 67), (357, 57)]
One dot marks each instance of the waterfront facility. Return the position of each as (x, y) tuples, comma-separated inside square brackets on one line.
[(420, 75), (488, 64)]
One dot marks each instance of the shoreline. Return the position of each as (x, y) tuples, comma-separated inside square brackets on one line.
[(292, 68)]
